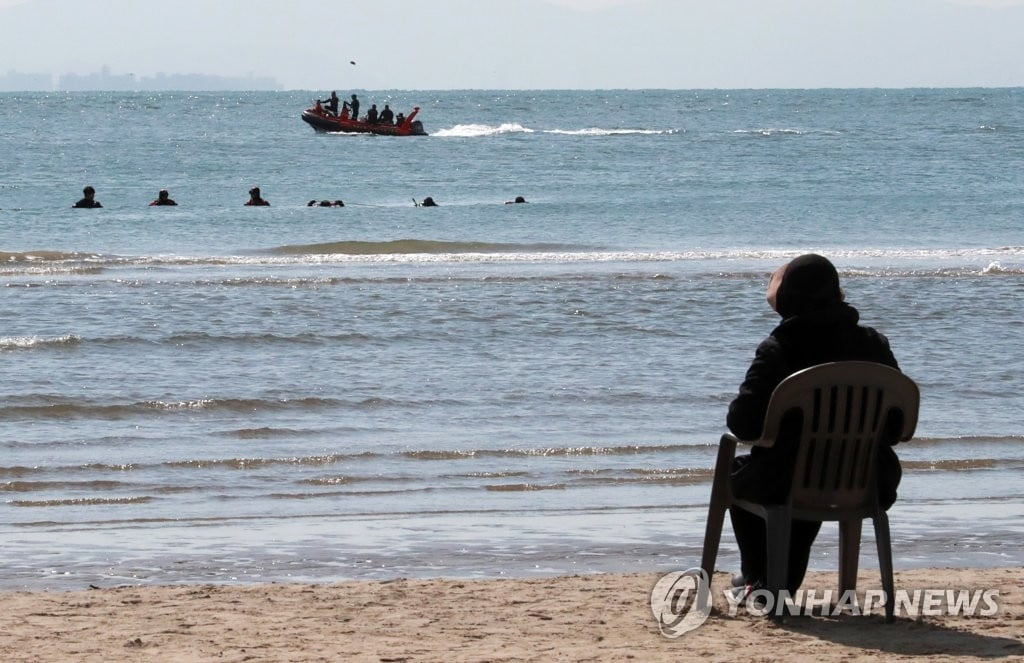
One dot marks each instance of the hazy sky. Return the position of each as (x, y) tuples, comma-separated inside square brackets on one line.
[(443, 44)]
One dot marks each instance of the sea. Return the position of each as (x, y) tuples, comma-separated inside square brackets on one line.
[(215, 393)]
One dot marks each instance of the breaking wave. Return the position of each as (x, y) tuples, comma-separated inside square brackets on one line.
[(29, 342), (411, 246)]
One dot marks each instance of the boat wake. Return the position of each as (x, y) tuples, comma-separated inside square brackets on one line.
[(479, 130)]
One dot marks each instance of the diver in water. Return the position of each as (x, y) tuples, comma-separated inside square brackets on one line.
[(88, 201), (163, 198), (255, 200)]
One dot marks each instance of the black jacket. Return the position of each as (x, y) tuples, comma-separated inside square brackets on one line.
[(824, 335), (799, 342)]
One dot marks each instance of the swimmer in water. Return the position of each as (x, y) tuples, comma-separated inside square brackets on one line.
[(88, 201), (255, 199), (163, 198)]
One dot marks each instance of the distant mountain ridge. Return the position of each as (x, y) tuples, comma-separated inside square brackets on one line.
[(14, 81)]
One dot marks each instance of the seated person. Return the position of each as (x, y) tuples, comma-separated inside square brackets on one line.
[(163, 198), (817, 326), (371, 115), (255, 199), (399, 119), (386, 116), (88, 201)]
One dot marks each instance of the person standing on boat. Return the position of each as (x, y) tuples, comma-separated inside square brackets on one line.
[(387, 116), (371, 115), (354, 105), (332, 103)]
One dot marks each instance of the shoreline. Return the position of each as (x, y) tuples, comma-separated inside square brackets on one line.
[(582, 617)]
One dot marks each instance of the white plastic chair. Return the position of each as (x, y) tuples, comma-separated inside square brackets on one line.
[(849, 408)]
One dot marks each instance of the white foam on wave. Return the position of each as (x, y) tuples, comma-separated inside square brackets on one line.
[(878, 258), (995, 267), (889, 261), (27, 342)]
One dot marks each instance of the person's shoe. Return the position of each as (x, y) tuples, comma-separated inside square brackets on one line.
[(738, 580), (741, 594)]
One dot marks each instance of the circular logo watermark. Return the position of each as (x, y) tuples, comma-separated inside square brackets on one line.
[(681, 601)]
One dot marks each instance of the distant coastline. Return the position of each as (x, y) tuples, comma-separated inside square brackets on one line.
[(104, 79)]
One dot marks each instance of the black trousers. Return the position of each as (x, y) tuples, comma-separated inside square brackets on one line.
[(752, 540)]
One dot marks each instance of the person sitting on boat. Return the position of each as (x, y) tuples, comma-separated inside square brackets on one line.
[(354, 107), (399, 119), (344, 110), (386, 116), (332, 103), (371, 115), (255, 200), (88, 201), (163, 198)]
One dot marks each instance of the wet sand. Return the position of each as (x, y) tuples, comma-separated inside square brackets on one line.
[(568, 618)]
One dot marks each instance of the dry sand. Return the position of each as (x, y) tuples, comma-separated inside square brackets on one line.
[(579, 618)]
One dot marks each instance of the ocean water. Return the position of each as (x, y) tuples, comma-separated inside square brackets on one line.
[(218, 393)]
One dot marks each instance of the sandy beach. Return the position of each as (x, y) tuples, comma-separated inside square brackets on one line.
[(577, 618)]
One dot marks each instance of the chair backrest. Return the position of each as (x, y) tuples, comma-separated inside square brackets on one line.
[(847, 409)]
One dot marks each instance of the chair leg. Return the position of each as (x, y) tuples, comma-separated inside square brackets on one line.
[(721, 498), (712, 537), (881, 521), (849, 553), (778, 523)]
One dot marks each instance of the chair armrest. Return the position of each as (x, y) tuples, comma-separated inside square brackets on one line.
[(726, 452), (760, 442)]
